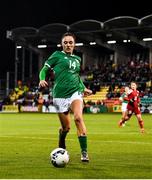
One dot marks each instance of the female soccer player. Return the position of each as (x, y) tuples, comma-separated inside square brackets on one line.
[(68, 91), (124, 105), (133, 107)]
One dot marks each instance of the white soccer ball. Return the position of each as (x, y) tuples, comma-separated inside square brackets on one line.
[(59, 157)]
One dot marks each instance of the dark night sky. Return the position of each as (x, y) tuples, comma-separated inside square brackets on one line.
[(36, 13)]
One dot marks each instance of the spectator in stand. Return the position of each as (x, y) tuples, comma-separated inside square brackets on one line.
[(47, 102)]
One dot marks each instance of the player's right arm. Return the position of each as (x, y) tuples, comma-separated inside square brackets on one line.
[(121, 98), (50, 62), (42, 76), (129, 97)]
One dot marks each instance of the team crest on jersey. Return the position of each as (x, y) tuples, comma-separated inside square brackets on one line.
[(77, 61)]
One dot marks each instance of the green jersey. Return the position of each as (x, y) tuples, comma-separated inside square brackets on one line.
[(123, 96), (66, 74)]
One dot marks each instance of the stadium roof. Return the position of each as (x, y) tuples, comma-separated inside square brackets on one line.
[(90, 30)]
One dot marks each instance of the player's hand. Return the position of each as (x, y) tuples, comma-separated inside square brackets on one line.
[(43, 83), (87, 92), (120, 99)]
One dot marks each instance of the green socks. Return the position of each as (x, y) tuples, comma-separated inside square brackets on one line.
[(62, 136), (83, 143)]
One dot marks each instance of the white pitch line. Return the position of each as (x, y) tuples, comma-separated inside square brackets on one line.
[(41, 138), (95, 133)]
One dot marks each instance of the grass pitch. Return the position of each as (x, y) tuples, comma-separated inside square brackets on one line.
[(26, 141)]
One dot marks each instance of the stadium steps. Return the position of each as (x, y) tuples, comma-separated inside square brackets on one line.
[(99, 96)]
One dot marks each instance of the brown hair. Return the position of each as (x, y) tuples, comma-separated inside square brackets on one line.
[(68, 34)]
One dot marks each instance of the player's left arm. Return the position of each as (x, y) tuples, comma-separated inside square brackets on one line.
[(42, 76), (86, 91), (139, 101)]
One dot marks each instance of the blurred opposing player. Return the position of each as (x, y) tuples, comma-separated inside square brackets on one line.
[(133, 107), (124, 104), (68, 91)]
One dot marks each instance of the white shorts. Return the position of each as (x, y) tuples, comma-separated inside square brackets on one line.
[(124, 107), (63, 104)]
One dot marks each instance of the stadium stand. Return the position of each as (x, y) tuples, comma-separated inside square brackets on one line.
[(98, 96), (106, 68)]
